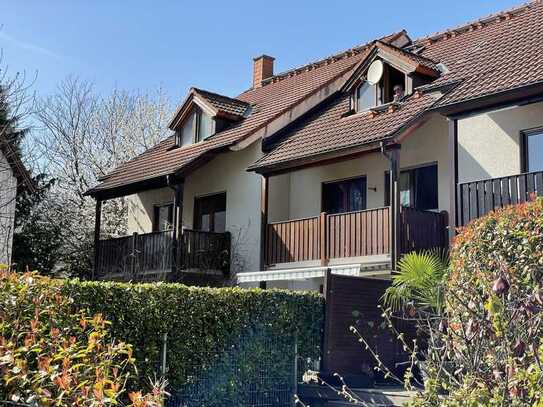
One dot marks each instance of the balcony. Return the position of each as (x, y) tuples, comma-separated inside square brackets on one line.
[(154, 256), (477, 198), (353, 234)]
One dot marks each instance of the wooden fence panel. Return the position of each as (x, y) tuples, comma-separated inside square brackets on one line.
[(353, 301)]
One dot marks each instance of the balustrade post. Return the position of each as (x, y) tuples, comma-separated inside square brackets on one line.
[(324, 238), (97, 227), (133, 254)]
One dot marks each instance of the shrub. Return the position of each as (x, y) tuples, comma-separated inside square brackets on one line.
[(490, 347), (201, 323), (52, 355)]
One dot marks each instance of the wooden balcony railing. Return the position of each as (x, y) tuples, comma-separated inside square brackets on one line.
[(352, 234), (361, 233), (204, 250), (129, 256), (477, 198), (133, 257), (422, 230)]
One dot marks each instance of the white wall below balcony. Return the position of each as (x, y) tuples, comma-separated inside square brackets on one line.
[(489, 143), (298, 194)]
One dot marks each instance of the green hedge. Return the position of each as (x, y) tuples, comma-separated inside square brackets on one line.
[(201, 323)]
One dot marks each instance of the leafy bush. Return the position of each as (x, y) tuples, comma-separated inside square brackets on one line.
[(52, 355), (201, 323), (489, 348)]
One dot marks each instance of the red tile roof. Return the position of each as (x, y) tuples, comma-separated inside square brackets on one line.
[(327, 130), (494, 54), (224, 104), (497, 53), (268, 102)]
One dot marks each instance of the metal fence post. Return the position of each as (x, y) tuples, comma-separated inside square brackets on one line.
[(295, 367), (163, 367)]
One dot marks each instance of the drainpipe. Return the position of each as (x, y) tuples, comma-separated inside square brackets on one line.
[(393, 157)]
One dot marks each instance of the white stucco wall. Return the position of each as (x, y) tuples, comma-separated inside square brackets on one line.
[(226, 173), (8, 194), (302, 189), (489, 143)]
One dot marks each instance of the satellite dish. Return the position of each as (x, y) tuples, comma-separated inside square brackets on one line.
[(375, 72)]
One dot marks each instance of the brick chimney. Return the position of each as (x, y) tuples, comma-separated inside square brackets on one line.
[(262, 69)]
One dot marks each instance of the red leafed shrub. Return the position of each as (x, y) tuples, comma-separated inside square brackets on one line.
[(51, 355), (490, 348)]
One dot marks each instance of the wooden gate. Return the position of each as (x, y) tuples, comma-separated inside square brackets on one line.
[(353, 301)]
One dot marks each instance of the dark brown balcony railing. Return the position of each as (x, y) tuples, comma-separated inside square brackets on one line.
[(352, 234), (477, 198), (152, 254)]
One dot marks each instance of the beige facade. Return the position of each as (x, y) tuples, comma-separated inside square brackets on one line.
[(298, 194), (226, 173), (489, 144)]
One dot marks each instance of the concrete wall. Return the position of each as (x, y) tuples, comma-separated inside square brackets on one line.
[(302, 189), (226, 173), (489, 143), (8, 194)]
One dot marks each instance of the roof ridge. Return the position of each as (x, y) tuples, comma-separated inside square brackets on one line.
[(472, 25), (408, 51), (331, 58), (199, 90)]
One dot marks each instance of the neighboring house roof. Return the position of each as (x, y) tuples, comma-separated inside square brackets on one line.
[(486, 57), (280, 95)]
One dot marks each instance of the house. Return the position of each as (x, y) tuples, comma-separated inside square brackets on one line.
[(345, 163), (13, 178)]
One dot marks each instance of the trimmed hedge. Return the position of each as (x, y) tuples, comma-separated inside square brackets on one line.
[(201, 323)]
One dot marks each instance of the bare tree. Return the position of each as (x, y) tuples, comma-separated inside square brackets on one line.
[(82, 137)]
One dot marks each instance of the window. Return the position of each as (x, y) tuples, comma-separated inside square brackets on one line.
[(344, 196), (366, 96), (533, 154), (197, 127), (418, 188), (163, 217), (210, 213)]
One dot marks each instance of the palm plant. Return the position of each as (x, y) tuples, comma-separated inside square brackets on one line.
[(418, 281)]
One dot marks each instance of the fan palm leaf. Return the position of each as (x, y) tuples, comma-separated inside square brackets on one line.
[(418, 281)]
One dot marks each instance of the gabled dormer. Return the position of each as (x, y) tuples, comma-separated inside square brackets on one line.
[(386, 76), (204, 114)]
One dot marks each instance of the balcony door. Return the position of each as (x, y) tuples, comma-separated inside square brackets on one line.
[(418, 188), (210, 213), (346, 195), (533, 150)]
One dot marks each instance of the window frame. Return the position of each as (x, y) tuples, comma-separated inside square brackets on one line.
[(196, 137), (156, 215), (337, 181), (524, 152), (197, 211)]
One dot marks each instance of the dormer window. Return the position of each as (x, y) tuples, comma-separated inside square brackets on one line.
[(197, 127)]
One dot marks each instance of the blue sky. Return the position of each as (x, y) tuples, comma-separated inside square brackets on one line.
[(210, 44)]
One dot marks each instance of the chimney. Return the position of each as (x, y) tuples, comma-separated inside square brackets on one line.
[(262, 69)]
